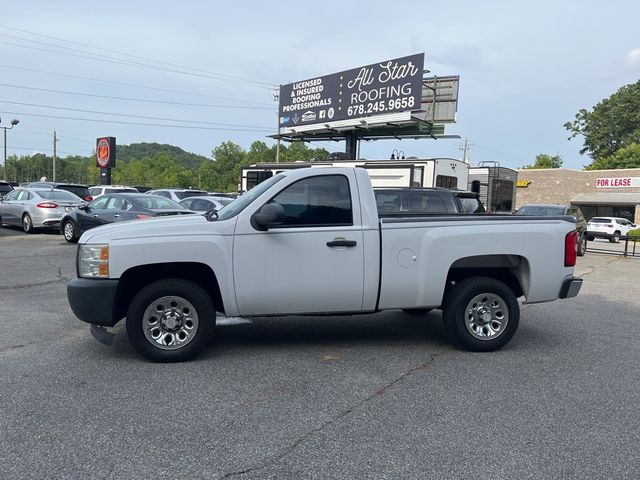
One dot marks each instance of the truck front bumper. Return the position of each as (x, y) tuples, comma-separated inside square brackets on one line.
[(570, 287), (93, 300)]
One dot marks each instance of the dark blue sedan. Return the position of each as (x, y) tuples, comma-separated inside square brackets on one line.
[(116, 207)]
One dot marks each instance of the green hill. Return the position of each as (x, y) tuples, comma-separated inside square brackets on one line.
[(137, 151)]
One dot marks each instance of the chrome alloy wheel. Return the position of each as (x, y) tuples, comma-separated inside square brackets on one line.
[(486, 316), (69, 231), (170, 322)]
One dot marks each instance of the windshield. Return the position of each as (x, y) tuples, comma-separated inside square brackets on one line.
[(58, 195), (190, 193), (239, 204), (542, 210)]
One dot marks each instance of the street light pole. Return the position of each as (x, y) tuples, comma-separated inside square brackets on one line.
[(14, 122)]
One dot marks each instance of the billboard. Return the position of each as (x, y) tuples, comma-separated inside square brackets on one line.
[(387, 87)]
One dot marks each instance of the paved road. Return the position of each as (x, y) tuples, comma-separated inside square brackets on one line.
[(376, 396)]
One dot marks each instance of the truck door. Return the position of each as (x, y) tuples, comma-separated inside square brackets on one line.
[(313, 262)]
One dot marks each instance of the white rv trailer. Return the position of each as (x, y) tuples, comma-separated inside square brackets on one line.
[(431, 172)]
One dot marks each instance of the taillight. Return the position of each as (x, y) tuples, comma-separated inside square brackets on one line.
[(142, 216), (570, 249), (87, 198), (47, 205)]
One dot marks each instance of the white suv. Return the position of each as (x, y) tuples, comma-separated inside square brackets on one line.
[(611, 228), (99, 190)]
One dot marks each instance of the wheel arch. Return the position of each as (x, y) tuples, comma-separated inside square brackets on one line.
[(136, 278), (512, 270)]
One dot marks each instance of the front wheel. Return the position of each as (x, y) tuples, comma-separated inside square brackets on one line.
[(582, 246), (171, 320), (69, 232), (481, 314), (615, 238)]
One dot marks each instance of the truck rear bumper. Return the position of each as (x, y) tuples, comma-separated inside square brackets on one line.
[(570, 287), (93, 300)]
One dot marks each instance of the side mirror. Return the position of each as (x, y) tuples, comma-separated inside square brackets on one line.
[(83, 207), (269, 215)]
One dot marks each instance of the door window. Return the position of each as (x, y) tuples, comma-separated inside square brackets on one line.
[(100, 202), (316, 201)]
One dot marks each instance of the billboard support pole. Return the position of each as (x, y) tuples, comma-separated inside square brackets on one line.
[(352, 145)]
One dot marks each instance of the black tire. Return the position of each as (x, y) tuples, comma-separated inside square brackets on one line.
[(417, 311), (69, 231), (615, 238), (591, 239), (27, 223), (167, 292), (582, 246), (483, 291)]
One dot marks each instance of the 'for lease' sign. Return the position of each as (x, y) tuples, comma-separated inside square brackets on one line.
[(618, 182)]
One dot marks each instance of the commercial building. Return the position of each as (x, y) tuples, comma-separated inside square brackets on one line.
[(608, 193)]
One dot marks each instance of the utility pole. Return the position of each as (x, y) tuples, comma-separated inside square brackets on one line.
[(55, 140), (465, 149), (276, 97)]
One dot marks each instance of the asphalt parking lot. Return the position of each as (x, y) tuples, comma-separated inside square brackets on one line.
[(375, 396)]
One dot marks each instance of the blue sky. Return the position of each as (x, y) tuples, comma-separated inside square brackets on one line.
[(525, 69)]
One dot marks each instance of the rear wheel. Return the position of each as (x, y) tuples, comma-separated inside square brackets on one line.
[(582, 246), (27, 223), (615, 238), (171, 320), (69, 231), (481, 314)]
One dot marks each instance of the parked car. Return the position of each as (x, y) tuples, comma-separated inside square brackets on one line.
[(34, 208), (77, 189), (611, 228), (397, 202), (99, 190), (5, 187), (204, 204), (552, 210), (116, 207), (177, 194)]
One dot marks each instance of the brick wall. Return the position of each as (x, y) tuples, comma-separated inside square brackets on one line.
[(560, 185)]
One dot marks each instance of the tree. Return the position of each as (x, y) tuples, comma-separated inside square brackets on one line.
[(626, 157), (613, 123), (545, 161)]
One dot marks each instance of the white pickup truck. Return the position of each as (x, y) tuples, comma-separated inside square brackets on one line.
[(309, 241)]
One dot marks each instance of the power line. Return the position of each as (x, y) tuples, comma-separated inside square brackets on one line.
[(65, 92), (229, 77), (124, 84), (192, 127), (133, 116), (140, 65)]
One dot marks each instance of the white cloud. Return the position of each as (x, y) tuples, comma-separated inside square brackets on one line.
[(633, 58)]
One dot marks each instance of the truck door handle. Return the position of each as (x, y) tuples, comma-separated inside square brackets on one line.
[(342, 243)]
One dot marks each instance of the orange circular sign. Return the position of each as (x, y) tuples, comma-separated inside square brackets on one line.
[(103, 153)]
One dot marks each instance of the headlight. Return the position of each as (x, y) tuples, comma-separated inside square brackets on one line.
[(93, 261)]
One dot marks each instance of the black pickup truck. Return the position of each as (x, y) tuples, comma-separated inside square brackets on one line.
[(410, 201)]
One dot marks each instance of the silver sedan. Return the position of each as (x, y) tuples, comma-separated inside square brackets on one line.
[(33, 208)]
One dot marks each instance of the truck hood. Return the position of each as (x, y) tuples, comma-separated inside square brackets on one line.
[(155, 227)]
